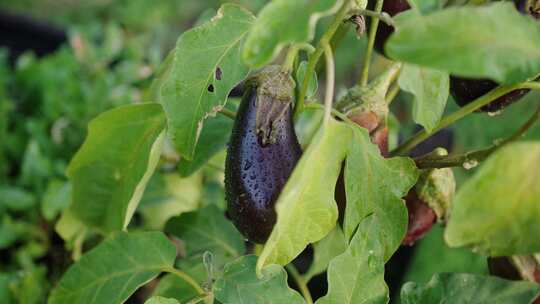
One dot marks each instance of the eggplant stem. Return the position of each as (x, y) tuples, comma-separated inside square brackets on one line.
[(300, 282), (371, 42), (330, 78)]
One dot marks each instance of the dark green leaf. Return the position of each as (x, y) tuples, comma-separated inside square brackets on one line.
[(114, 269), (284, 22), (357, 275), (240, 284), (493, 41), (469, 288)]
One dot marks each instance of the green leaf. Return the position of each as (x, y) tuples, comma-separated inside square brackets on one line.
[(427, 6), (332, 245), (161, 300), (496, 211), (357, 275), (313, 82), (214, 137), (56, 198), (172, 286), (207, 230), (430, 89), (169, 195), (240, 284), (284, 22), (376, 185), (206, 67), (114, 269), (16, 199), (111, 169), (493, 41), (307, 124), (306, 209), (468, 288)]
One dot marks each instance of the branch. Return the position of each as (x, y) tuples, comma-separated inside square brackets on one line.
[(299, 280), (371, 43), (314, 58), (462, 112), (473, 157)]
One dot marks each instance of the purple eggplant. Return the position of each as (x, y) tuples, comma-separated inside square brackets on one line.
[(262, 153)]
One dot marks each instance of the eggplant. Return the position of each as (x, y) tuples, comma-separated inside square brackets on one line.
[(465, 90), (262, 153)]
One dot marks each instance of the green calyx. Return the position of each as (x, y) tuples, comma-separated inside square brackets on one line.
[(372, 97), (275, 94), (436, 187)]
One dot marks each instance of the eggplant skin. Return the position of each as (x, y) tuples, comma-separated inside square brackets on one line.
[(466, 90), (256, 170)]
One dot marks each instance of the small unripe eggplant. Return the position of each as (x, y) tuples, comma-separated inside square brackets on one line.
[(262, 153), (392, 7), (465, 90)]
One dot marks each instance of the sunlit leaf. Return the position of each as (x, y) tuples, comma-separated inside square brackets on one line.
[(306, 209), (161, 300), (111, 169), (497, 210)]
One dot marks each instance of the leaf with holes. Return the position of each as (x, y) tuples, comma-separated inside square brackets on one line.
[(111, 169), (205, 68), (114, 269)]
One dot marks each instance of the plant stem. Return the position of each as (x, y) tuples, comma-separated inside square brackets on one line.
[(228, 113), (314, 58), (457, 115), (299, 280), (371, 43), (330, 78), (477, 156), (289, 59), (382, 16), (184, 276)]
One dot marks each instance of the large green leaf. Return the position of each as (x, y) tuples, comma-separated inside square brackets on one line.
[(306, 209), (493, 41), (497, 210), (357, 275), (205, 68), (207, 230), (332, 245), (376, 185), (111, 169), (240, 284), (113, 270), (469, 288), (430, 89), (283, 22)]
